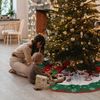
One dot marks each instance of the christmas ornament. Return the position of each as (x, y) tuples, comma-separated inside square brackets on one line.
[(81, 34), (73, 21), (64, 32), (72, 30), (72, 39)]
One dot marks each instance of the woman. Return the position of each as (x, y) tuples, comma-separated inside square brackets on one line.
[(21, 57)]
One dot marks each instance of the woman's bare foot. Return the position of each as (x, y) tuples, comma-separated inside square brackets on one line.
[(12, 71)]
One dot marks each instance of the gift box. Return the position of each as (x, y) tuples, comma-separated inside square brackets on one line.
[(41, 82), (97, 66)]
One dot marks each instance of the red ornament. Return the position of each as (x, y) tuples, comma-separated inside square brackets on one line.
[(98, 68), (58, 68), (47, 68), (66, 63)]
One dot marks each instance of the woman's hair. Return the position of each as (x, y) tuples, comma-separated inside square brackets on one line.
[(38, 38)]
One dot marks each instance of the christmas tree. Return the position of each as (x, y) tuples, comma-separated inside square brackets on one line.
[(70, 33)]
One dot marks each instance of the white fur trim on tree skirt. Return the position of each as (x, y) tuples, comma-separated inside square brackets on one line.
[(80, 80)]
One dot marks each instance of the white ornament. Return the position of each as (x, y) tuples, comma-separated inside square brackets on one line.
[(66, 5), (48, 54), (81, 4), (56, 33), (64, 32), (72, 39), (89, 43), (82, 27), (67, 49), (82, 43), (83, 48), (73, 21), (63, 48), (81, 34), (72, 30), (81, 61), (78, 11), (75, 9)]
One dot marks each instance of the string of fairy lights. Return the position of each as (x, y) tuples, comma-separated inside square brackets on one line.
[(31, 19)]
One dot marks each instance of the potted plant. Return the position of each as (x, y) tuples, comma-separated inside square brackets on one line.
[(11, 13), (0, 6)]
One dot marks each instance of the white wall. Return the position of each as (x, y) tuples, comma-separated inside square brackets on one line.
[(21, 9)]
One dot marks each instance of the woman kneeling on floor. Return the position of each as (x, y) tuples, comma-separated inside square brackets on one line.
[(21, 60)]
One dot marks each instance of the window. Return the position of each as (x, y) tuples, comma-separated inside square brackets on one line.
[(5, 6)]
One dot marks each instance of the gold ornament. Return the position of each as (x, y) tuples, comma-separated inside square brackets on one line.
[(64, 32), (72, 30), (72, 39)]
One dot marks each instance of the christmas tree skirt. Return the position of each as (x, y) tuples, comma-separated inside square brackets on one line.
[(78, 84)]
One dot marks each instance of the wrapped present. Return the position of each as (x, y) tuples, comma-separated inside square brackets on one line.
[(97, 63), (59, 78), (66, 64), (41, 82), (58, 68), (41, 65), (97, 66), (47, 68), (54, 72)]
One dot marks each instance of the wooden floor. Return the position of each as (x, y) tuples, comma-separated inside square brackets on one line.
[(13, 87)]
